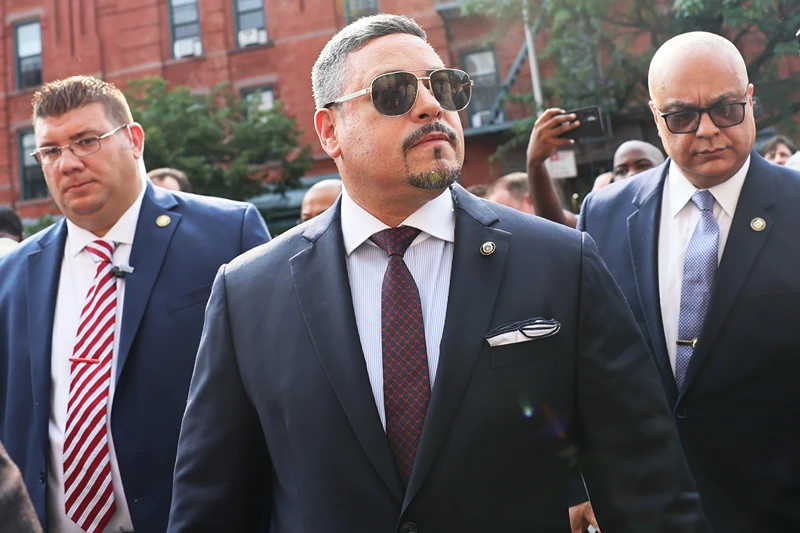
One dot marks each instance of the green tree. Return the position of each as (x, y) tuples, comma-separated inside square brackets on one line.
[(602, 48), (225, 144)]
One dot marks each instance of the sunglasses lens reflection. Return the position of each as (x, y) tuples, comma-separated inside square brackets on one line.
[(394, 94), (451, 88)]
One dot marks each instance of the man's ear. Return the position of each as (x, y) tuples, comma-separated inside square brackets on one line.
[(137, 139), (656, 114), (325, 122)]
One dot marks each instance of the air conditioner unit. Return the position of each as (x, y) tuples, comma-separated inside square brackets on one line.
[(187, 47), (481, 118), (252, 36)]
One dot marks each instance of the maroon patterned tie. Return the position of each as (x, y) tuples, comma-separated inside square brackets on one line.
[(406, 385)]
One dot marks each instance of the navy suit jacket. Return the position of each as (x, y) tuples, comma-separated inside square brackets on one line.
[(174, 267), (282, 424), (738, 414)]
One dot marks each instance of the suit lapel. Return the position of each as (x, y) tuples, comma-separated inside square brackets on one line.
[(44, 271), (150, 245), (643, 230), (323, 288), (466, 324), (741, 250)]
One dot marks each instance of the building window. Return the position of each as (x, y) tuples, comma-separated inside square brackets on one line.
[(32, 178), (185, 18), (263, 98), (482, 68), (249, 19), (29, 54), (356, 9)]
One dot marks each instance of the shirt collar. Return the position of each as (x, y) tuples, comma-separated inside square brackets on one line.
[(121, 232), (726, 193), (436, 218)]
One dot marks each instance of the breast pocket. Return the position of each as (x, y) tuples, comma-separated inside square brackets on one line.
[(189, 298), (523, 353)]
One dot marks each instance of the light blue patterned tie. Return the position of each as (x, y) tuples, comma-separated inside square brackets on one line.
[(699, 268)]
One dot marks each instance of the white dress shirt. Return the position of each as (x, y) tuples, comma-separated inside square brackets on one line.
[(679, 216), (430, 260), (77, 275)]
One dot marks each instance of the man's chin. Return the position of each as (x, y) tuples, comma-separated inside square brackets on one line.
[(434, 180)]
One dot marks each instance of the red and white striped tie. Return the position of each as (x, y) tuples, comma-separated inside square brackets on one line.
[(88, 492)]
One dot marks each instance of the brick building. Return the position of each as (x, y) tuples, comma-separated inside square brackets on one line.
[(255, 45), (263, 46)]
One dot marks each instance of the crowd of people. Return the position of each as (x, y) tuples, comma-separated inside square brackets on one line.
[(412, 356)]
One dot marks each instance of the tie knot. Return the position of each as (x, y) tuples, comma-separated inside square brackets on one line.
[(101, 251), (704, 200), (395, 241)]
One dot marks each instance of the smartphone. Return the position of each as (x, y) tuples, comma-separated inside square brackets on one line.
[(591, 123)]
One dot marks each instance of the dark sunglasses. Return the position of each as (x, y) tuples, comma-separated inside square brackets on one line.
[(394, 93), (722, 115)]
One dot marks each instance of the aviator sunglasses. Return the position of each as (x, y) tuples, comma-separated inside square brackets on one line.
[(394, 93)]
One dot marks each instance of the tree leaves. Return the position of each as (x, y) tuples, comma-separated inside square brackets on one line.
[(225, 144)]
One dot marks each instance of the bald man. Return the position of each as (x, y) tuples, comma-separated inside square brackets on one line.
[(319, 197), (704, 247)]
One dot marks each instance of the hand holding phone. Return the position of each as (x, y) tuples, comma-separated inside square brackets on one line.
[(591, 124)]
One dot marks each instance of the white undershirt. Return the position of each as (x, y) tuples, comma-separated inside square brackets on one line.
[(679, 216), (77, 274), (430, 260)]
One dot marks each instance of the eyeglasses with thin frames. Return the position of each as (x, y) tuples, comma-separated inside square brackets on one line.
[(688, 120), (50, 155)]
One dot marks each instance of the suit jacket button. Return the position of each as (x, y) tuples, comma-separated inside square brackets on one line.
[(41, 476), (681, 413), (408, 527)]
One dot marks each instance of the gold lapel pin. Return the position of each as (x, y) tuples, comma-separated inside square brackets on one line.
[(758, 224), (488, 248), (163, 221)]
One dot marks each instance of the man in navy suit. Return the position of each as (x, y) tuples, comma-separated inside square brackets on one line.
[(724, 336), (390, 366), (96, 354)]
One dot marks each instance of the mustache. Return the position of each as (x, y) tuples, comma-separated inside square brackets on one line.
[(427, 129)]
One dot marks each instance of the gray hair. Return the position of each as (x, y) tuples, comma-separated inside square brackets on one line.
[(328, 74)]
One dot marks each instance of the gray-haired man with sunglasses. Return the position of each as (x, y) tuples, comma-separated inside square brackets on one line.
[(705, 249), (416, 358)]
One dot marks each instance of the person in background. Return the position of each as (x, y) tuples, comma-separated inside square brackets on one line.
[(101, 316), (11, 232), (793, 162), (778, 150), (319, 197), (170, 178), (478, 189), (634, 157), (511, 191)]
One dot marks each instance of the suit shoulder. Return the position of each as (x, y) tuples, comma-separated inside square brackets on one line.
[(273, 254), (533, 230), (196, 202)]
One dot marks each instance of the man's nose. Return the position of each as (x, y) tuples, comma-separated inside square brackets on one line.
[(426, 106), (706, 128), (69, 161)]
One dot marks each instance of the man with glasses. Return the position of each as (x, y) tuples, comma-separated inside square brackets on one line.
[(101, 316), (705, 249), (390, 366)]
